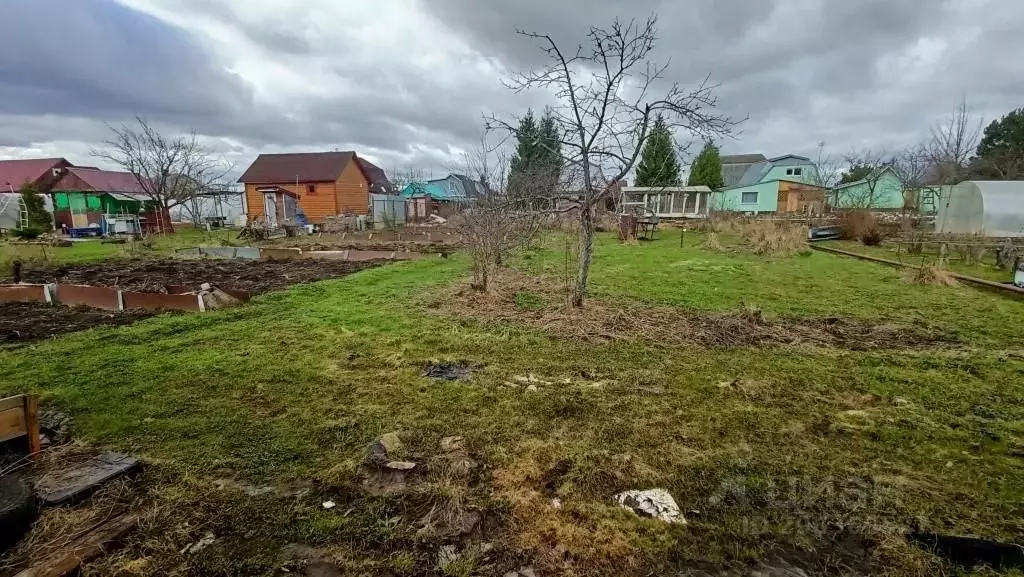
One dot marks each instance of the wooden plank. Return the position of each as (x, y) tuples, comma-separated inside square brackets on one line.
[(12, 402), (32, 425), (12, 424), (86, 548)]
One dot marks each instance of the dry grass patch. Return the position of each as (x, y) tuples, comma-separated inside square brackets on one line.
[(600, 321), (773, 239), (931, 275)]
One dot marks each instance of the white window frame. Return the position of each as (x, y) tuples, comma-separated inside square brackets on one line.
[(743, 196)]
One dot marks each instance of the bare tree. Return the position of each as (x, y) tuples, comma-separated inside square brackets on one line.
[(401, 177), (171, 170), (952, 144), (605, 108), (861, 188), (912, 166), (827, 169)]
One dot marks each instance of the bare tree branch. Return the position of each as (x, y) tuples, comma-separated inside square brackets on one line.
[(171, 170)]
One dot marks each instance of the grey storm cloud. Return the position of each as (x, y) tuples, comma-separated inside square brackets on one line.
[(774, 58), (97, 59), (870, 73)]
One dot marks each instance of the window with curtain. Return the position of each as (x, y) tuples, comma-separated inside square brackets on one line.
[(749, 197)]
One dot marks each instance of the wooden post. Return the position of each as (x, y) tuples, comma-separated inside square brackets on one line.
[(19, 416), (32, 425)]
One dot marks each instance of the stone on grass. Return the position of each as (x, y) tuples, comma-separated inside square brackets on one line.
[(199, 545), (385, 449), (532, 389), (654, 503), (449, 444), (400, 465)]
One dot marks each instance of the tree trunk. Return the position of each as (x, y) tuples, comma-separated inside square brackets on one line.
[(586, 250)]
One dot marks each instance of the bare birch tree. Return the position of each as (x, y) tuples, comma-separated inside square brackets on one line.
[(608, 95), (172, 170), (952, 144)]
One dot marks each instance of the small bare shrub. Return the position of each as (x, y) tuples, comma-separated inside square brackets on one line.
[(863, 226), (930, 274)]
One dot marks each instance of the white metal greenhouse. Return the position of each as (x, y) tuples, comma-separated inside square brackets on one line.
[(10, 210), (992, 208)]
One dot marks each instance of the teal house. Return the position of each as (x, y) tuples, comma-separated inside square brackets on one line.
[(882, 190), (782, 184)]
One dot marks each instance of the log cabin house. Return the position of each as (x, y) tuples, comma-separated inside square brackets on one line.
[(308, 187)]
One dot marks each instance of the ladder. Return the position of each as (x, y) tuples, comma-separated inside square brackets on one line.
[(22, 214), (926, 204)]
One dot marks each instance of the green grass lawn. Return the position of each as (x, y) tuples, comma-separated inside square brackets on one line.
[(769, 451), (94, 250)]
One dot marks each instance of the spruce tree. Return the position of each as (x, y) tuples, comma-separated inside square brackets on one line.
[(658, 164), (526, 156), (707, 168), (35, 206)]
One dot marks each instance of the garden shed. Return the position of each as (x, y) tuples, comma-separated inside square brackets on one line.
[(991, 208)]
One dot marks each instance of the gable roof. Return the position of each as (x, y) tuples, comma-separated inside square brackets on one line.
[(303, 166), (379, 182), (734, 167), (876, 176), (789, 160), (96, 180), (469, 186), (743, 158), (15, 173)]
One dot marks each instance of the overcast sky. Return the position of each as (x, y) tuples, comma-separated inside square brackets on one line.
[(406, 82)]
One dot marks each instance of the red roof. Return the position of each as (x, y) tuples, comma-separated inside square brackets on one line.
[(15, 173), (301, 167), (95, 180)]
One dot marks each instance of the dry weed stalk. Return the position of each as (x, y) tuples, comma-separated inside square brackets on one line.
[(712, 243)]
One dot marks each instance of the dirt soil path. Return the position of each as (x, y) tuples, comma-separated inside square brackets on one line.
[(27, 322), (152, 276)]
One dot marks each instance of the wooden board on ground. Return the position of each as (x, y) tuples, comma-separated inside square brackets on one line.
[(89, 546)]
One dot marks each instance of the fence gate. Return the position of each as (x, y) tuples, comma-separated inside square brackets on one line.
[(387, 208)]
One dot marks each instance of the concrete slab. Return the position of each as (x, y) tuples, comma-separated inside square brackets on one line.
[(77, 482)]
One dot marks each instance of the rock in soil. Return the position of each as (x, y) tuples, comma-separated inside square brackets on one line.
[(55, 425), (654, 503), (385, 449)]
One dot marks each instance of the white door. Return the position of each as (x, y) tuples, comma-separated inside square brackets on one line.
[(270, 208)]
